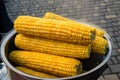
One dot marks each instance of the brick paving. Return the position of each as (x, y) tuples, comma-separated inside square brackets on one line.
[(104, 13)]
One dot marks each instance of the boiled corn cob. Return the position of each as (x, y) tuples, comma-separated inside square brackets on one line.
[(34, 73), (51, 64), (52, 47), (99, 45), (54, 29), (50, 15)]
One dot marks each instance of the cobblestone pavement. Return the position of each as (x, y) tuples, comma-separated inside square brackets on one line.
[(104, 13)]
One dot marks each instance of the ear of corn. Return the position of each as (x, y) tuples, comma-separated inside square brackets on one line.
[(51, 64), (50, 15), (52, 47), (99, 45), (34, 73), (54, 29)]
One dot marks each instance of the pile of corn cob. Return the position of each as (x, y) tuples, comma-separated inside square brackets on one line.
[(51, 46)]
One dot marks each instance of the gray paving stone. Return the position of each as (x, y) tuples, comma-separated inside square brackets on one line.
[(118, 51), (114, 60), (26, 13), (118, 38), (118, 23), (111, 77), (111, 16), (107, 71), (37, 5), (96, 14), (118, 43), (24, 10), (115, 68), (96, 8), (110, 29), (111, 34), (64, 14), (114, 24), (116, 33), (83, 19), (118, 57), (109, 62), (101, 78), (108, 9), (102, 21), (102, 4), (78, 7), (103, 26), (115, 46), (117, 1), (114, 52), (50, 1), (23, 2), (113, 40), (119, 75)]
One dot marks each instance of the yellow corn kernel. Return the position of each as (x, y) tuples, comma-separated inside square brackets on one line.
[(54, 29), (51, 64), (99, 45), (34, 73), (50, 15), (52, 47)]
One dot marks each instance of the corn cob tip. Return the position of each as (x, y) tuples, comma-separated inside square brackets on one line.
[(93, 36), (79, 68), (89, 51), (105, 49)]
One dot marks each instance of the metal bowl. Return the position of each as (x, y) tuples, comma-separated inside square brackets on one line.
[(94, 66)]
